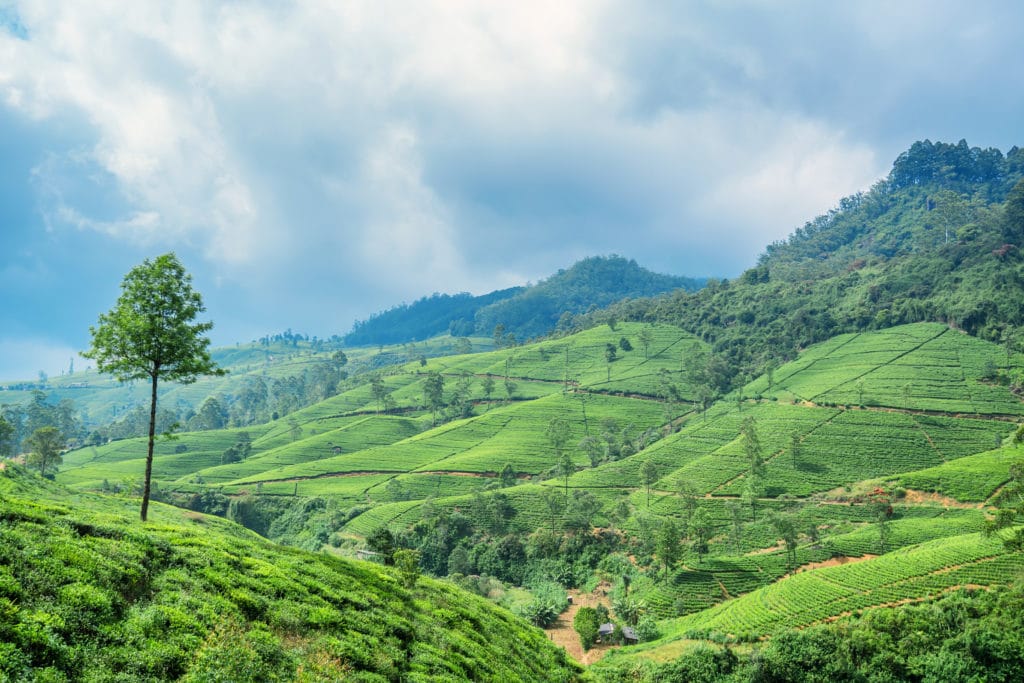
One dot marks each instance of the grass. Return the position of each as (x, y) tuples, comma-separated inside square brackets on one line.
[(922, 367)]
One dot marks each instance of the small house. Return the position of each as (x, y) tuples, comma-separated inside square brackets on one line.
[(605, 630), (629, 634)]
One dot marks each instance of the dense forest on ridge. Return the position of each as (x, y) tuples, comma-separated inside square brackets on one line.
[(521, 312)]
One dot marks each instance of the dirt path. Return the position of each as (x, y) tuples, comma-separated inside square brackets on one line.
[(562, 633)]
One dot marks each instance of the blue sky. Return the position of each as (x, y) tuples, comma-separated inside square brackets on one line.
[(315, 162)]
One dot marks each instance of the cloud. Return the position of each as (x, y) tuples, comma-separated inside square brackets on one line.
[(322, 160)]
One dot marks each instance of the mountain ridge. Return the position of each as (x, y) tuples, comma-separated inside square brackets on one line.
[(522, 312)]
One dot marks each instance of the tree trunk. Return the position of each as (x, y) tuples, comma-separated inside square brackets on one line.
[(149, 451)]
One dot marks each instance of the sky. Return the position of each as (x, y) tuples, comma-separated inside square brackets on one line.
[(314, 162)]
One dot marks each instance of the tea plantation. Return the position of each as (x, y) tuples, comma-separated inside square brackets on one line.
[(856, 477), (89, 594)]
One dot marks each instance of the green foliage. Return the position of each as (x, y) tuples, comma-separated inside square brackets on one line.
[(86, 593), (45, 445), (586, 625), (548, 602), (150, 332), (522, 312), (408, 564), (1010, 502), (966, 635), (150, 335), (6, 437), (880, 258), (668, 544)]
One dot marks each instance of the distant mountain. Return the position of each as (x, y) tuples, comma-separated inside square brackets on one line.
[(523, 312), (424, 318)]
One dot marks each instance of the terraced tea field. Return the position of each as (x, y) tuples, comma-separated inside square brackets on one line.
[(906, 407)]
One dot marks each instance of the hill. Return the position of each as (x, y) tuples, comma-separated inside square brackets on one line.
[(940, 239), (522, 312), (89, 594)]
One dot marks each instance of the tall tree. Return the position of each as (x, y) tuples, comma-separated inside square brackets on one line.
[(688, 492), (786, 528), (433, 393), (701, 529), (668, 547), (649, 475), (794, 449), (378, 390), (6, 437), (554, 502), (1013, 214), (150, 334), (752, 443), (211, 415), (558, 433), (45, 446), (646, 337)]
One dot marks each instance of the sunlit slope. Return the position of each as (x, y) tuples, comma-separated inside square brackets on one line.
[(103, 398), (893, 430), (88, 592), (582, 359), (515, 393), (922, 367), (906, 575), (197, 457), (509, 435)]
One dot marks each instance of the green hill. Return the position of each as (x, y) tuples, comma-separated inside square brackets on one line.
[(89, 594), (522, 312), (940, 239)]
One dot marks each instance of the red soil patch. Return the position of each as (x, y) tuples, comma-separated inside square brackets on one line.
[(833, 562), (925, 498)]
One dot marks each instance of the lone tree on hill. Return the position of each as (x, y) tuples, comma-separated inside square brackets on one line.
[(150, 334), (646, 337)]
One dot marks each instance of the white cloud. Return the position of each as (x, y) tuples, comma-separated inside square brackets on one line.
[(394, 149)]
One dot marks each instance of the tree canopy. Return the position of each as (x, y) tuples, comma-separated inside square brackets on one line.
[(151, 334)]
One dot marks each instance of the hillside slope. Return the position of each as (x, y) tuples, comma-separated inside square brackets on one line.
[(89, 594)]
